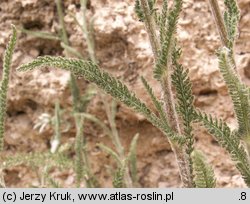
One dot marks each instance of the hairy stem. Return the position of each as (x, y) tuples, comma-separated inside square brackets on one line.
[(111, 119), (61, 21), (180, 153), (172, 118), (73, 83), (82, 161), (88, 36), (82, 157), (109, 109), (151, 28), (215, 9), (111, 112)]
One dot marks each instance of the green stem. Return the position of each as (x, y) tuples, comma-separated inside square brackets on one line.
[(219, 21), (61, 21), (88, 36), (81, 153), (55, 142), (111, 119), (183, 159), (215, 9), (111, 112), (73, 84), (82, 162), (151, 28), (172, 118)]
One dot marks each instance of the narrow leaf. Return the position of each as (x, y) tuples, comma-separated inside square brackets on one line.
[(132, 158), (109, 84), (204, 174), (161, 67), (228, 140), (5, 83), (39, 34), (118, 180), (158, 105), (237, 90), (111, 152)]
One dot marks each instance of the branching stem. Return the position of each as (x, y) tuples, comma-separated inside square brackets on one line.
[(182, 157)]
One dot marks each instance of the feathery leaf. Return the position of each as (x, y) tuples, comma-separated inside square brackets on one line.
[(5, 83), (36, 159), (229, 140), (109, 84), (138, 10), (237, 90), (185, 100), (163, 20), (158, 105), (231, 20), (185, 106), (204, 174), (118, 180), (166, 50)]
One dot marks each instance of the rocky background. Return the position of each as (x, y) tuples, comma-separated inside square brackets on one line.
[(122, 48)]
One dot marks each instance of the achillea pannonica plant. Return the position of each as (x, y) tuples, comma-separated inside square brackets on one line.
[(175, 111)]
